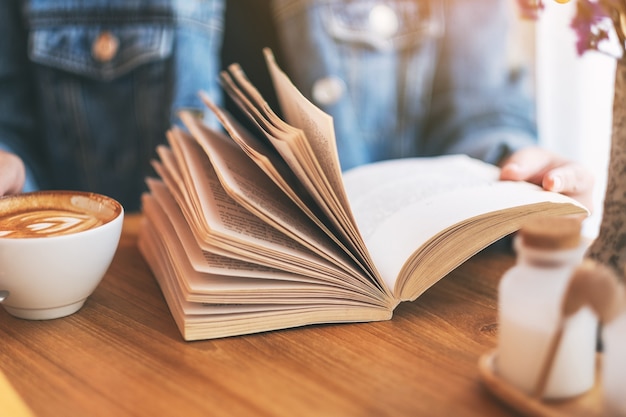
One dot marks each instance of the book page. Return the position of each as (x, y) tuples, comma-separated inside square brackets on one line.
[(274, 167), (246, 183), (309, 150), (317, 126), (202, 281), (230, 227), (264, 156), (161, 207), (297, 167), (211, 294), (401, 205)]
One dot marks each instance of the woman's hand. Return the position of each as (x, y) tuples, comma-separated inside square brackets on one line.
[(552, 172)]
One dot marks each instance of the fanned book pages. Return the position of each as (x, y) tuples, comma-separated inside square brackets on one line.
[(248, 232)]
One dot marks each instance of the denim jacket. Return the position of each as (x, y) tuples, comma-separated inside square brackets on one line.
[(88, 88), (409, 77)]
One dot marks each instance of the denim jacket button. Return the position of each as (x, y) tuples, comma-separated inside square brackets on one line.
[(328, 90), (105, 47), (383, 21)]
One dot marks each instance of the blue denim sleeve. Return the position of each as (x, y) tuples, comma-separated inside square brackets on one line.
[(480, 105), (18, 133)]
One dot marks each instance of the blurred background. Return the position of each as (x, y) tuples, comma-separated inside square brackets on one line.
[(574, 93)]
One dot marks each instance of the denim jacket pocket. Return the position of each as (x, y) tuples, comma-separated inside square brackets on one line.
[(99, 53), (105, 94)]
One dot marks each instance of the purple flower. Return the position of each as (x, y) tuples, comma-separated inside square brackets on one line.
[(587, 24), (595, 22)]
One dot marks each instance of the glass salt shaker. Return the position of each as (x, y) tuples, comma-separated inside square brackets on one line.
[(530, 297)]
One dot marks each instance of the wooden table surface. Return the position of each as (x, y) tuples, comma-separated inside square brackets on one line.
[(122, 355)]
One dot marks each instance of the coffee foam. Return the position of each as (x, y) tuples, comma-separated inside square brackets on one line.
[(54, 213)]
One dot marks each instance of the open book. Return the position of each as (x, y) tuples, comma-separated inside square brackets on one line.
[(248, 233)]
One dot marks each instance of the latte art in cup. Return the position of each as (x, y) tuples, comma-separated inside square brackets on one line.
[(54, 213), (46, 223)]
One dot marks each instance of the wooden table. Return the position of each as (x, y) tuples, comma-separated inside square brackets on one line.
[(122, 355)]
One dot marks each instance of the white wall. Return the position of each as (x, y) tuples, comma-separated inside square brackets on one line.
[(575, 95)]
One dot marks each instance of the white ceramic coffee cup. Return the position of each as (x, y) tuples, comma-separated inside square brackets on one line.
[(55, 248)]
